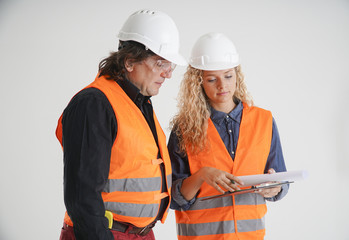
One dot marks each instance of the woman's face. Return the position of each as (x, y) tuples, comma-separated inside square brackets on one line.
[(219, 87)]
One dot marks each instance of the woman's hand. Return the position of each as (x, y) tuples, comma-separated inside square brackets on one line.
[(212, 176), (270, 192), (219, 179)]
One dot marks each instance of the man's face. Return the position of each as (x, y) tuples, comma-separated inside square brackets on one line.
[(149, 74)]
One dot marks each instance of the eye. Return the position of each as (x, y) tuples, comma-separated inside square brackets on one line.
[(159, 63), (229, 76), (211, 80)]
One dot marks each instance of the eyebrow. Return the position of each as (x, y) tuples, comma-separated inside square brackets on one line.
[(159, 58), (209, 75)]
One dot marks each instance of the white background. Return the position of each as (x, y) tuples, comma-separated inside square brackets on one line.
[(295, 60)]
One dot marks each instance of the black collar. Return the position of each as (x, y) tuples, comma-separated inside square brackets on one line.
[(133, 92)]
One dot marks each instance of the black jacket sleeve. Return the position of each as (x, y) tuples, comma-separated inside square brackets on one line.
[(89, 130)]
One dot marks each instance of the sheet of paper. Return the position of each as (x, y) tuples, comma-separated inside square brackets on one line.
[(276, 177)]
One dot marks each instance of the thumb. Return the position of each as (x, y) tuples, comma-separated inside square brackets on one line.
[(271, 171)]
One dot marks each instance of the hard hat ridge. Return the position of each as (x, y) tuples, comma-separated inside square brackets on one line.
[(156, 31), (214, 51)]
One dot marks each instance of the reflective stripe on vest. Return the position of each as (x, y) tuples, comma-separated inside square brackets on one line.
[(223, 227), (241, 199), (232, 217), (135, 184), (133, 190), (133, 209)]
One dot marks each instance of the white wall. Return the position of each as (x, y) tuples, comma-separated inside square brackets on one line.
[(295, 59)]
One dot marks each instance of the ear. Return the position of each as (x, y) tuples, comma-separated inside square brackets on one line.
[(129, 65)]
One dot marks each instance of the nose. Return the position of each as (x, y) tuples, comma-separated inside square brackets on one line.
[(166, 74), (220, 83)]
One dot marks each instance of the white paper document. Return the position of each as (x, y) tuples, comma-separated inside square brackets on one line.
[(275, 177)]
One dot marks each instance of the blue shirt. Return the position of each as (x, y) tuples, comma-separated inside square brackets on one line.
[(228, 126)]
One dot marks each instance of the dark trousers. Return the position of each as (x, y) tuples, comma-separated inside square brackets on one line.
[(67, 233)]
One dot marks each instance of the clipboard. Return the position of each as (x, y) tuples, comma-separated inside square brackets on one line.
[(247, 190)]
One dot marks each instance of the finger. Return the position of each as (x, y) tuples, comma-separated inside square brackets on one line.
[(271, 171), (265, 193), (225, 183), (227, 186), (216, 186), (269, 195), (275, 191), (235, 179), (270, 192), (231, 184)]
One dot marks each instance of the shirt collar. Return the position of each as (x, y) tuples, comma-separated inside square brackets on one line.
[(133, 92), (218, 116)]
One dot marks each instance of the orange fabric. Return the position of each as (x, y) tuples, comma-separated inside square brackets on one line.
[(59, 133), (205, 216), (67, 219), (243, 212), (255, 235), (133, 152), (251, 155)]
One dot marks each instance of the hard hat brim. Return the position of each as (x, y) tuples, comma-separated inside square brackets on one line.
[(175, 58), (214, 66)]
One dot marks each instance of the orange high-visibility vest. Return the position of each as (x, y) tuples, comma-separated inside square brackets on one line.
[(232, 217), (133, 191)]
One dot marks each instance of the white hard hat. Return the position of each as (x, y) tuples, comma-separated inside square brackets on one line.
[(155, 30), (214, 51)]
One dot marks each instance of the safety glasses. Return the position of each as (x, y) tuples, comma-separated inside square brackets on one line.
[(160, 65)]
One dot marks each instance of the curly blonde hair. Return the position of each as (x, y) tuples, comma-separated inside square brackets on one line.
[(191, 122)]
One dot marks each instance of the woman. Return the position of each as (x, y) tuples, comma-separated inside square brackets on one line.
[(218, 135)]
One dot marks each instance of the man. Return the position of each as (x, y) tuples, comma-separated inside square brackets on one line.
[(115, 155)]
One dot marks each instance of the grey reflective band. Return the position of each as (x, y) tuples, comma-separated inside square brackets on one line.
[(200, 229), (212, 203), (224, 227), (240, 199), (249, 199), (133, 185), (132, 209), (250, 225), (169, 180)]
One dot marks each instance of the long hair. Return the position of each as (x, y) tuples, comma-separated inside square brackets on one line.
[(113, 67), (191, 122)]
